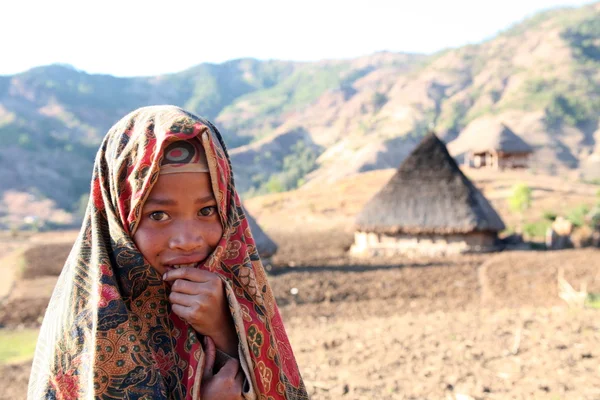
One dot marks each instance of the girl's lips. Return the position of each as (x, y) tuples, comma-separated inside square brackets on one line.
[(169, 267)]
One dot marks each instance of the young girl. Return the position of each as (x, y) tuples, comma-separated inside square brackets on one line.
[(163, 295)]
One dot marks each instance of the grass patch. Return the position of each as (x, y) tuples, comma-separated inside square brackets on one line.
[(536, 229), (593, 300), (18, 345)]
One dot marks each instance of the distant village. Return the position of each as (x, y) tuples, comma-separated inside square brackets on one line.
[(429, 207)]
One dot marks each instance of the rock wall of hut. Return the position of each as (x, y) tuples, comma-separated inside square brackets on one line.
[(378, 244)]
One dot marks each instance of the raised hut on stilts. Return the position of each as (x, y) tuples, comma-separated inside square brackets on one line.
[(493, 145)]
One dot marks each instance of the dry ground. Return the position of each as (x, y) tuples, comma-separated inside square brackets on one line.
[(485, 326), (488, 326)]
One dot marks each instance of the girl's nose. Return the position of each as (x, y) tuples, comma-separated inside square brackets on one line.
[(186, 236)]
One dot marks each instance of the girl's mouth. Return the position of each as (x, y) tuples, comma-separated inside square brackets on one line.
[(177, 266)]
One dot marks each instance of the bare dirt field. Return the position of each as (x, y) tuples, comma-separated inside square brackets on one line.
[(485, 326), (482, 326)]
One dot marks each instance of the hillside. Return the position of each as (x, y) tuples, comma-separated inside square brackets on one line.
[(54, 117), (542, 78), (291, 123)]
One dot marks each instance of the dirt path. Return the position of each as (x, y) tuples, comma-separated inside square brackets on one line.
[(9, 267)]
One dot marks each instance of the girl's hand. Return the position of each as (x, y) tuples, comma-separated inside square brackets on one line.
[(198, 297), (227, 383)]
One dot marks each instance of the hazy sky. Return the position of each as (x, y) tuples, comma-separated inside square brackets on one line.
[(127, 37)]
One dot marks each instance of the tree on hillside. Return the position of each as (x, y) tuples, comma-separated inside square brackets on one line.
[(81, 205), (379, 99), (294, 167)]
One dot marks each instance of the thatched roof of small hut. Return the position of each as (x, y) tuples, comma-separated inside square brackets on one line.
[(429, 194), (265, 245), (487, 135)]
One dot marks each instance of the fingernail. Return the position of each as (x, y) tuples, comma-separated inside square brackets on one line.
[(164, 276)]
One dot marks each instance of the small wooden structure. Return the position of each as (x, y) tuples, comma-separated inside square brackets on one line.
[(428, 207), (496, 146)]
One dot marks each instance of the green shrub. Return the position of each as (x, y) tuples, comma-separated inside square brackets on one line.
[(536, 229), (274, 185), (577, 215), (594, 217), (593, 300), (520, 199), (549, 215)]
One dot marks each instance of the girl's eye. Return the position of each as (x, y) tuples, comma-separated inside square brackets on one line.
[(158, 216), (208, 211)]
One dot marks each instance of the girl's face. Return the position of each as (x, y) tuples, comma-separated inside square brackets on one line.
[(180, 224)]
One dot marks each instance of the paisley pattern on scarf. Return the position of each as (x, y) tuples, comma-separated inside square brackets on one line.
[(109, 332)]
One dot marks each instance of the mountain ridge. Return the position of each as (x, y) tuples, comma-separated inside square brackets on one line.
[(289, 123)]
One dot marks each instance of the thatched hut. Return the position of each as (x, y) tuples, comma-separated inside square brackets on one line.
[(428, 207), (265, 245), (495, 146)]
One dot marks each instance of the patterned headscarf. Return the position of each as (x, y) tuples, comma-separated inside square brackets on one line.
[(109, 332), (184, 156)]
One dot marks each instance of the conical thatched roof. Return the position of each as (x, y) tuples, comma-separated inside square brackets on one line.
[(429, 194), (265, 246), (486, 135)]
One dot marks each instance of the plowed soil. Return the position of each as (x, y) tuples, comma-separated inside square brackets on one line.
[(488, 326)]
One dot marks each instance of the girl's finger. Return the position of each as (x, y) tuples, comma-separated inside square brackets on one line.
[(210, 352), (183, 312), (190, 274), (188, 300), (187, 287)]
